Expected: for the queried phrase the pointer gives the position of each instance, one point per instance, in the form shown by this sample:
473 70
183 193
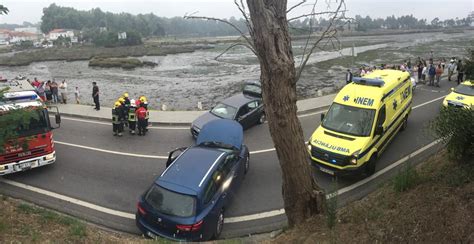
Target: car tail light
193 227
140 209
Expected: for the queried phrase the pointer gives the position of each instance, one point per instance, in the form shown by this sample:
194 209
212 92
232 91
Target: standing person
132 117
95 95
141 116
431 74
54 91
77 95
460 68
349 76
47 91
443 63
63 87
117 123
126 105
439 71
41 92
424 72
35 83
451 68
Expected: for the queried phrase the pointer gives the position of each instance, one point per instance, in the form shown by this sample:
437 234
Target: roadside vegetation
432 203
21 222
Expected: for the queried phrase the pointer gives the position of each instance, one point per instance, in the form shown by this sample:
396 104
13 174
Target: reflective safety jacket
116 116
131 114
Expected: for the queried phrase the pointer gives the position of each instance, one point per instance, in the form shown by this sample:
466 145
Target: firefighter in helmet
144 103
141 115
117 123
132 117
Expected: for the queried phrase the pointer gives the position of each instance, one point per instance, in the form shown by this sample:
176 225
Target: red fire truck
33 145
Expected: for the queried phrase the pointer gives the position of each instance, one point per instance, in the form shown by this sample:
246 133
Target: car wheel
247 164
405 124
219 225
370 166
262 119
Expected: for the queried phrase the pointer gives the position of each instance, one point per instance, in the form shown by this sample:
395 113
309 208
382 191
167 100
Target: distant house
17 37
4 36
13 37
56 33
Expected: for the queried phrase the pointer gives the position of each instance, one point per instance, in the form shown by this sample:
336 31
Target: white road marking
386 169
111 152
254 216
108 124
69 199
425 103
311 114
238 219
263 151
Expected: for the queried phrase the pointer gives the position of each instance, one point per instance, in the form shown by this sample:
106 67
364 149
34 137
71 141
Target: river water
182 80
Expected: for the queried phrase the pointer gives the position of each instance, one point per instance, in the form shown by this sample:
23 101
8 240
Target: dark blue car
188 200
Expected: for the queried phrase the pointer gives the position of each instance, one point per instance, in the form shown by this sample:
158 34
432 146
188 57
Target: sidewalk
183 118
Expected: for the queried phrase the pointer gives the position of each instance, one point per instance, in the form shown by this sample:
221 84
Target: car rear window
252 90
170 203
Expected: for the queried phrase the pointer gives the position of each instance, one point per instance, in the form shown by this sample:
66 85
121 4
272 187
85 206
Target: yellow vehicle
363 118
462 96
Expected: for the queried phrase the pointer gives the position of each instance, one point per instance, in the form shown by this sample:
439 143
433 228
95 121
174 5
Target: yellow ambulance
462 96
363 118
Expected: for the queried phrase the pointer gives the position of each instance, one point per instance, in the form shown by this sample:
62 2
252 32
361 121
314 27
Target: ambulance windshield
349 120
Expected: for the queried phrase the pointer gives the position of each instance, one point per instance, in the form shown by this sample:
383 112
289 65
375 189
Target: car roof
239 100
225 131
190 170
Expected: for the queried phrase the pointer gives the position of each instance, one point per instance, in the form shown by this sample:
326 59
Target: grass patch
406 178
124 63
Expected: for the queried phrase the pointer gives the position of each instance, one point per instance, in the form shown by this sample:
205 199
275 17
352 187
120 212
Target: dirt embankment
434 204
87 52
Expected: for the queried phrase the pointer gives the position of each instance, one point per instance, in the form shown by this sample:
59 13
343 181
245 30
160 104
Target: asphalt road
115 175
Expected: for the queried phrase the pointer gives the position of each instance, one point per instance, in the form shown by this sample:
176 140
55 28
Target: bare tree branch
313 10
326 31
315 14
242 10
295 6
232 46
247 39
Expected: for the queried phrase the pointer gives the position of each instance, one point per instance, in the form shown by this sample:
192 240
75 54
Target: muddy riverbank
182 80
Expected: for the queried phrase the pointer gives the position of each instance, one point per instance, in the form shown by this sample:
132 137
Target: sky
31 10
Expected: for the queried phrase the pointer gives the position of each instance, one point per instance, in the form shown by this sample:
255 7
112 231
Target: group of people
130 113
51 91
424 72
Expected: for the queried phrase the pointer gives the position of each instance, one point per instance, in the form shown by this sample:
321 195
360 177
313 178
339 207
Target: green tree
3 10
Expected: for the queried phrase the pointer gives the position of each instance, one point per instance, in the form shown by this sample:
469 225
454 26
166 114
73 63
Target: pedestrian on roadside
54 91
349 76
431 74
63 89
77 95
439 71
41 92
47 91
420 70
461 70
95 95
35 83
451 68
443 63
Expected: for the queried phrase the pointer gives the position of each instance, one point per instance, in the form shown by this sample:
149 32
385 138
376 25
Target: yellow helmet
117 104
122 100
125 94
142 99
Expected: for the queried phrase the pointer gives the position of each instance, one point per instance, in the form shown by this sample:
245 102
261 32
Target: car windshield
224 111
349 120
169 202
465 90
39 123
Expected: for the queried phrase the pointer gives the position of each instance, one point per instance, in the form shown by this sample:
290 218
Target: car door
242 116
254 114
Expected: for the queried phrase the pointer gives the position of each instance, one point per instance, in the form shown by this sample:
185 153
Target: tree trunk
302 197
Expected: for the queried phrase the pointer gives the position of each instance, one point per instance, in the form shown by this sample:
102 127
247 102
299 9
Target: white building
56 33
16 37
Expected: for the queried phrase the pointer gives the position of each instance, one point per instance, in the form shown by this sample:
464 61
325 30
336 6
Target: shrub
406 178
455 126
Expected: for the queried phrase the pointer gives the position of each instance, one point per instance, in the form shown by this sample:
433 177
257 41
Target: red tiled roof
57 31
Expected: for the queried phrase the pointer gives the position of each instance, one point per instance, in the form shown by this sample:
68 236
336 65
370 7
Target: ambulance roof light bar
368 82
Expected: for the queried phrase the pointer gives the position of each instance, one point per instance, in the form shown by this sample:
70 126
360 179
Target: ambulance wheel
404 124
370 166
